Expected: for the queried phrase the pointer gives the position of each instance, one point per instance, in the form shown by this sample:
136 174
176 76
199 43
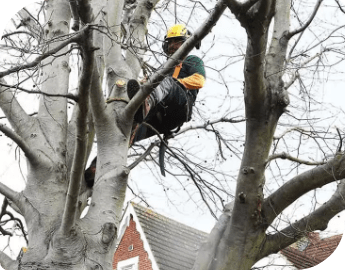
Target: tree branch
296 73
5 212
239 9
20 142
71 135
70 96
108 56
137 31
276 56
75 14
113 49
7 263
301 184
7 35
242 10
206 124
290 34
287 156
71 39
256 24
318 220
309 133
15 114
14 207
341 8
143 156
9 193
340 141
97 100
31 23
325 49
78 164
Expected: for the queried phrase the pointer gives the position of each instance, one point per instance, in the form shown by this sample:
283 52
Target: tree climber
171 102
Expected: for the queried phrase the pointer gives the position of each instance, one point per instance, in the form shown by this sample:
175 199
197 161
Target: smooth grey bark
241 240
237 246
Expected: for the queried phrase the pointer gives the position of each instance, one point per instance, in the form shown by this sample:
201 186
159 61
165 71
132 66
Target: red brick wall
132 237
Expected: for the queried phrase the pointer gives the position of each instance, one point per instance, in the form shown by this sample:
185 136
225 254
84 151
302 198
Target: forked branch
317 220
240 8
303 27
301 184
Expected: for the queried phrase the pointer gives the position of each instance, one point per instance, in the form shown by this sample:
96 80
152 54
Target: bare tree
112 44
243 231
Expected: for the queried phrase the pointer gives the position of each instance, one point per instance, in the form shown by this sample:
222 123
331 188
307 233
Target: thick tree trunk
244 233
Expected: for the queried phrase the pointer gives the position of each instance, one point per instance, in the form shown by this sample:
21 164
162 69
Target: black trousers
170 113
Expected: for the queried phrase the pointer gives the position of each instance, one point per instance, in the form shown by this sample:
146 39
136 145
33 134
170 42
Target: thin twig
70 96
291 158
340 141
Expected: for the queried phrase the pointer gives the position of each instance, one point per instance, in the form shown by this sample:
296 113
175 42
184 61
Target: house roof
173 245
311 251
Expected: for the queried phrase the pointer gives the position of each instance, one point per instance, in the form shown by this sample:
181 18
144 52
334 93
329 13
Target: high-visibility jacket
176 108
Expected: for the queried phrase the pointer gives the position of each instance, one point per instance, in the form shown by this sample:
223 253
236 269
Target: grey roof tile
173 244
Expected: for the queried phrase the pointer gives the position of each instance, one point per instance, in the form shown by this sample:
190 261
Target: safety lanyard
177 70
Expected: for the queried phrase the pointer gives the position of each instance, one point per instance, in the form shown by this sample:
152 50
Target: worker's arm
196 81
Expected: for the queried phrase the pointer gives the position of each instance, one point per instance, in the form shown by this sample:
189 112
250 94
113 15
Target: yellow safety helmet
178 31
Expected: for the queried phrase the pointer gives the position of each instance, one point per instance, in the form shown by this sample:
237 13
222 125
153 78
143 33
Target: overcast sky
178 206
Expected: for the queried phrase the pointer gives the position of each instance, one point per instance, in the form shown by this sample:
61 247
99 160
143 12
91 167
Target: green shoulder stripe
196 64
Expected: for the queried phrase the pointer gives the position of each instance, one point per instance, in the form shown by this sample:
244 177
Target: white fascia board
125 222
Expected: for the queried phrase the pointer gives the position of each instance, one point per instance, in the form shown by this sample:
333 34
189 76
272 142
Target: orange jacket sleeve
196 81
